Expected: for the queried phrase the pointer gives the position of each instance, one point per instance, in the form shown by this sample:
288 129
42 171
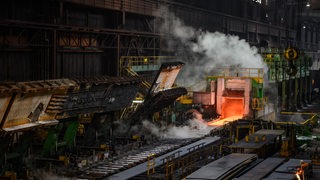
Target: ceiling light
308 4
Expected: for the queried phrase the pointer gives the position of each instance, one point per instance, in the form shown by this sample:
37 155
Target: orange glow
220 122
232 107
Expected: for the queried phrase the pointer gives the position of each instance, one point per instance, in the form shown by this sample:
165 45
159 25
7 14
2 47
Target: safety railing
238 72
258 103
151 164
133 73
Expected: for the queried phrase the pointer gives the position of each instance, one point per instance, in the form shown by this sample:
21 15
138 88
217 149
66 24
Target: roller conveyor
131 160
136 170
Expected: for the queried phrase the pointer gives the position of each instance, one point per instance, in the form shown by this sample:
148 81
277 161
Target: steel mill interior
159 89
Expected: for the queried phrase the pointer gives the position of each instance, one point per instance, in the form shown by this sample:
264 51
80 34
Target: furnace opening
232 107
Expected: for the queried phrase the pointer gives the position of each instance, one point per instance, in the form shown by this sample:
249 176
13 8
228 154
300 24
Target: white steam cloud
196 128
203 51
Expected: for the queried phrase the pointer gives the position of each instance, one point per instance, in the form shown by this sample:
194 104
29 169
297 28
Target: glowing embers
232 107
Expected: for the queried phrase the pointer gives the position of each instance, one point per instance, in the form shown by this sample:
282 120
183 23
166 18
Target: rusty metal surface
161 94
4 102
35 86
29 104
7 88
166 76
155 103
31 125
45 86
23 103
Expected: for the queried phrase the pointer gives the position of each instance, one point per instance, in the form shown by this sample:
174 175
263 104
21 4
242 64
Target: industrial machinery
233 93
157 90
46 113
73 122
55 120
30 104
239 92
289 72
161 94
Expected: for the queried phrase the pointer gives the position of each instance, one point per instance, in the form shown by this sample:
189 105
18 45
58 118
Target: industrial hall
159 89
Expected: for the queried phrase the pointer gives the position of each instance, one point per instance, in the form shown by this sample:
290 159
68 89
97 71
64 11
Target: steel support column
296 99
291 104
54 56
309 88
118 55
284 105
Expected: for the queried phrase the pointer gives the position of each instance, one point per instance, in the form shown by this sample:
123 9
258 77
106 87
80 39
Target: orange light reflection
232 110
220 122
232 107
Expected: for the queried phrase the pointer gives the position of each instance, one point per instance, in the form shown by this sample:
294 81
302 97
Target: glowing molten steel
220 122
232 109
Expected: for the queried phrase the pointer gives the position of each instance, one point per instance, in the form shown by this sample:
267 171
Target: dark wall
238 8
49 39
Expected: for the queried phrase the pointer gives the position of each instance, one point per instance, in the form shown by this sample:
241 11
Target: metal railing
238 72
133 73
258 103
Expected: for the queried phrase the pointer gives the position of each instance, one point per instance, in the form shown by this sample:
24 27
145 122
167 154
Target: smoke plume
196 127
203 51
